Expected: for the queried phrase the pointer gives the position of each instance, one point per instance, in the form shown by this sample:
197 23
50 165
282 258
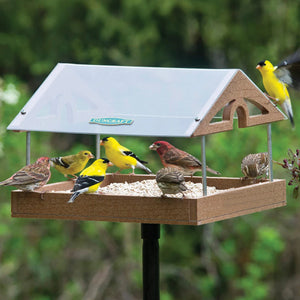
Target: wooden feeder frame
240 197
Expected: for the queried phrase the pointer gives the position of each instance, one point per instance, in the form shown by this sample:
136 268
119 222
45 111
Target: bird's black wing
129 153
288 71
86 181
59 161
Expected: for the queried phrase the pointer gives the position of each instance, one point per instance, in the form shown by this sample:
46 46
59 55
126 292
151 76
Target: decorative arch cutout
234 99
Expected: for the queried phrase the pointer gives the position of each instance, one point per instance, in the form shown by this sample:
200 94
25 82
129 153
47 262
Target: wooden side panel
237 200
242 201
232 99
101 208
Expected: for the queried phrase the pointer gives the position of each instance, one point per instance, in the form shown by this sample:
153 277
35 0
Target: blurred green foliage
245 258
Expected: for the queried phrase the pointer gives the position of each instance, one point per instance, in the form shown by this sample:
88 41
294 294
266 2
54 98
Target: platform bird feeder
143 101
140 101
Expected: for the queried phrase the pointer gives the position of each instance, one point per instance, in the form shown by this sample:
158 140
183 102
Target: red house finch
170 156
170 181
255 165
31 177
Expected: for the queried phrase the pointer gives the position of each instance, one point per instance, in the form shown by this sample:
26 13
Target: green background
246 258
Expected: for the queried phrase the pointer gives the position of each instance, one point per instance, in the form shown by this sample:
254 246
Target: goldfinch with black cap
90 178
276 79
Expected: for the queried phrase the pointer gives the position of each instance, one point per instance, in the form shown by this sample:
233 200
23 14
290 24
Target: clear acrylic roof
155 101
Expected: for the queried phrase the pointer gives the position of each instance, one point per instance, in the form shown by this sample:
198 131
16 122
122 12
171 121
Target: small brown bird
31 177
255 165
170 156
170 181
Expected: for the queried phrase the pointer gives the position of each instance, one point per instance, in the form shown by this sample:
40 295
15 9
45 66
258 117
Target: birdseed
149 188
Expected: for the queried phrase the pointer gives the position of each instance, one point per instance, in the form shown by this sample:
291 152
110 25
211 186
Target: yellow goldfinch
122 157
277 79
71 164
90 178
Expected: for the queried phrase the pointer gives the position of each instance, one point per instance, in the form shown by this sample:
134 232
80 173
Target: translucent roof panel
155 101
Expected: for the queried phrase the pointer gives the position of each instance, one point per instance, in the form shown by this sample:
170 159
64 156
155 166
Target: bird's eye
85 153
158 144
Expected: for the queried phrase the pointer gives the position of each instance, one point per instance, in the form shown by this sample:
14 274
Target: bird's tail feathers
287 108
141 166
6 182
212 171
74 196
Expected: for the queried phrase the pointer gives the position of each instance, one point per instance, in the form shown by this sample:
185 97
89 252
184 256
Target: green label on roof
110 121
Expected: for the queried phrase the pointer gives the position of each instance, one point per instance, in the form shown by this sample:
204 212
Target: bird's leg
42 194
117 173
272 98
132 173
72 177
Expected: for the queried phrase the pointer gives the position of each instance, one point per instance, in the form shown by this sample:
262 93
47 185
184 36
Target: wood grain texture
240 198
233 100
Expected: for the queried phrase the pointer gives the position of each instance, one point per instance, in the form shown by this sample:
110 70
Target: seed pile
149 188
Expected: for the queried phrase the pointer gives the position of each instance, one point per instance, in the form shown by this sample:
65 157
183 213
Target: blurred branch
99 282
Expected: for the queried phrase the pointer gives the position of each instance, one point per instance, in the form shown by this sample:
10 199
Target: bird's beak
101 143
110 164
153 147
258 67
91 156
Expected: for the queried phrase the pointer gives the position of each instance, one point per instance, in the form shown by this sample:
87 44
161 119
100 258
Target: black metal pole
150 235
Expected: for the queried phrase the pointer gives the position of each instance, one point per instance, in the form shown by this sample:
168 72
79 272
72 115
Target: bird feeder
143 101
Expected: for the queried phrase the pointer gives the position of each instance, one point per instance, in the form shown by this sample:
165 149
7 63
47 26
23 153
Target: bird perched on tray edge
31 177
90 178
255 165
170 181
277 79
171 156
122 157
71 164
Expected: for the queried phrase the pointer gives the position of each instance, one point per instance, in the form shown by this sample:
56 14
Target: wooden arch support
233 99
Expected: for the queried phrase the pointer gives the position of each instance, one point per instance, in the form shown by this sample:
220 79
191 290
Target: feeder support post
150 234
27 147
270 152
204 184
98 146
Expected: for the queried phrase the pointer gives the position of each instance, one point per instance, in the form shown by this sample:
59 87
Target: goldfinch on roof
276 79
